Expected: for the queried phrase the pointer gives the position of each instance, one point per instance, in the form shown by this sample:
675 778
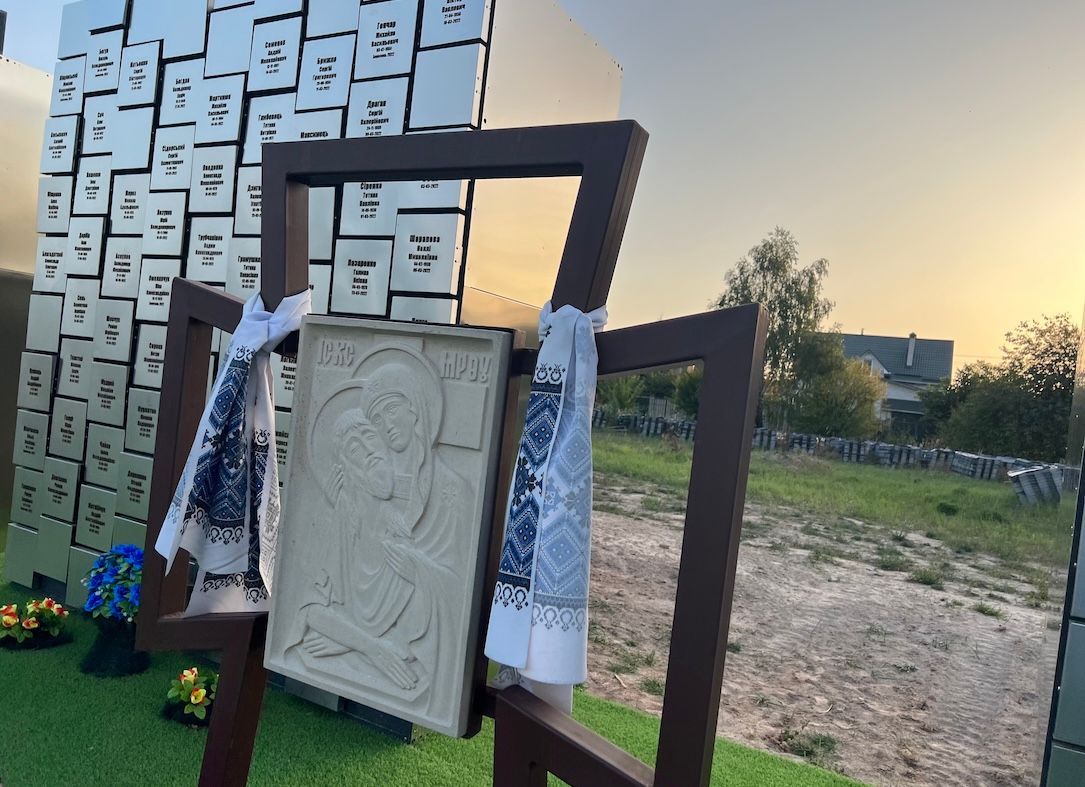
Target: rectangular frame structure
531 738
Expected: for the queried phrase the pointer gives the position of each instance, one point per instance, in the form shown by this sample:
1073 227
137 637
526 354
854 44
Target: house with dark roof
908 365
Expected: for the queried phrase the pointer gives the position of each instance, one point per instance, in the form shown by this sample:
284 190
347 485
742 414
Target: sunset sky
933 151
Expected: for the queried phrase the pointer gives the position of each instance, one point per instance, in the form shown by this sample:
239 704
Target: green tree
1019 407
687 391
619 395
770 274
659 385
834 396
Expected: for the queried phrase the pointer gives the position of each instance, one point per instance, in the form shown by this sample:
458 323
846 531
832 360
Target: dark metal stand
531 739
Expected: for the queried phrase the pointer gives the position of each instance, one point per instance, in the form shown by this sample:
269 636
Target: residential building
908 365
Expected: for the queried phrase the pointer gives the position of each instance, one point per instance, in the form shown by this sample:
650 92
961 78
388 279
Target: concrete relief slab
381 553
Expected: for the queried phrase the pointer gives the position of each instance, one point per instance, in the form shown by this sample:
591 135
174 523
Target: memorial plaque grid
151 169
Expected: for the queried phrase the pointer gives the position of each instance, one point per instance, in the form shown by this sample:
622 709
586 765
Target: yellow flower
9 609
33 606
30 624
8 621
190 675
198 696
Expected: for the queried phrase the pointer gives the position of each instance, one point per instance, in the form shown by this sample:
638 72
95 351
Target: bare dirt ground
857 668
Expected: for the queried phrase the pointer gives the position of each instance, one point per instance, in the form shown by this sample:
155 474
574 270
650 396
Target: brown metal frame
531 739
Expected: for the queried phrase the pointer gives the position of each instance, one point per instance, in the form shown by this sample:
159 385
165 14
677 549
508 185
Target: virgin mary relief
379 587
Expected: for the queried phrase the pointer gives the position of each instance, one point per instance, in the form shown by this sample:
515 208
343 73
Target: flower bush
194 691
42 620
113 583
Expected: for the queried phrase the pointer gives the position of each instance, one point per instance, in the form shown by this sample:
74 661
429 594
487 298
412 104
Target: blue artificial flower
93 602
134 597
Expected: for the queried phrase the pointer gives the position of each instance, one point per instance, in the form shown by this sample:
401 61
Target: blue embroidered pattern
227 468
518 553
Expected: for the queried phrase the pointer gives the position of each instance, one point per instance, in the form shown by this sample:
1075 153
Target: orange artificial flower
30 624
8 621
198 696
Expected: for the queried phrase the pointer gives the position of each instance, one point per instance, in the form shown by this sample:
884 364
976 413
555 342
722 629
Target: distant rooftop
932 360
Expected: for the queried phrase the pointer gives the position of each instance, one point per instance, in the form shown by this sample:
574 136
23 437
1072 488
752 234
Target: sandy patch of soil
913 684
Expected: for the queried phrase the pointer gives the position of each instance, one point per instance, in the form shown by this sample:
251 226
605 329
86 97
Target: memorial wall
150 170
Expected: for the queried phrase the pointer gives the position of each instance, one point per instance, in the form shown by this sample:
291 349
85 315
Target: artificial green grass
60 728
968 515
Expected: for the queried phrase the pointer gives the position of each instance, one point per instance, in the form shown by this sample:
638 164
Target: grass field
59 728
968 515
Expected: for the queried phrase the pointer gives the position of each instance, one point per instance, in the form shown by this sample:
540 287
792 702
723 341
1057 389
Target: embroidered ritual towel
225 511
539 619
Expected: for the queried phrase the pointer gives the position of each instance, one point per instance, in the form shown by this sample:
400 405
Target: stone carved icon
388 506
